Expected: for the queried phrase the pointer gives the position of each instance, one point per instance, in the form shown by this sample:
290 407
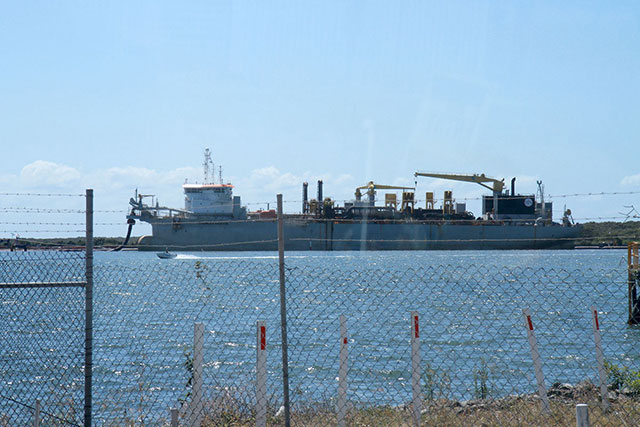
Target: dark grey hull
304 234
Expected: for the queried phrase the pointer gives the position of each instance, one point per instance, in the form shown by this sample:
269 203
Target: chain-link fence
367 344
475 361
42 337
144 355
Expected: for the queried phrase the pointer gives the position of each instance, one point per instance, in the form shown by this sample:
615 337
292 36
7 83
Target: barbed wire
184 221
57 223
435 200
43 231
43 194
600 193
518 196
221 246
40 242
15 209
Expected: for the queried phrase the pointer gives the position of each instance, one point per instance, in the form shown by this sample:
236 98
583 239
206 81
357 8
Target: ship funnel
305 197
320 198
513 186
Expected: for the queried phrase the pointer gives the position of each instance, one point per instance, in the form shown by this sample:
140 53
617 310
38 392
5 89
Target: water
470 305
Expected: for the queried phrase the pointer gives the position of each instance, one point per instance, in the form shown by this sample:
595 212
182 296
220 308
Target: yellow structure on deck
390 199
497 185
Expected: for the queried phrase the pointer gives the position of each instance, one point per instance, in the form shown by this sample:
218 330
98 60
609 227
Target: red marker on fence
261 374
535 355
415 367
342 374
196 406
600 359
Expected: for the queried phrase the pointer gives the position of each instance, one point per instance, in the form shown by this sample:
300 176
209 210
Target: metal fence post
582 415
537 364
342 373
261 374
600 359
196 407
415 367
283 315
88 310
174 417
36 414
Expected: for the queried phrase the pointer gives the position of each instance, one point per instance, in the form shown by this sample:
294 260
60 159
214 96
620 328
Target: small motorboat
166 255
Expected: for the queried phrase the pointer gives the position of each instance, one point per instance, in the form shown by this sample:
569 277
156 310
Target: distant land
65 242
609 233
601 234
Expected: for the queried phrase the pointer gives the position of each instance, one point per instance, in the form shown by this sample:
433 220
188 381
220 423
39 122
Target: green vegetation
480 379
624 379
609 233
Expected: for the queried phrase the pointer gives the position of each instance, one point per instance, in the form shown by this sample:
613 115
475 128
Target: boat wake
197 257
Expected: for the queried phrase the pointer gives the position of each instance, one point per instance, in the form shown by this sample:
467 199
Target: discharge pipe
130 221
513 186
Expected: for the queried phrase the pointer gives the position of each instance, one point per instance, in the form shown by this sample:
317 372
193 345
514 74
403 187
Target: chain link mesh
144 341
476 366
475 361
42 337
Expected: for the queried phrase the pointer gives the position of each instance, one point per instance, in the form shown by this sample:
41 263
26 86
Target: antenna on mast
220 175
207 162
541 195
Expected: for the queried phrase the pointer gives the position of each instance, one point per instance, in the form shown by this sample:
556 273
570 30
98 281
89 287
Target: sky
118 96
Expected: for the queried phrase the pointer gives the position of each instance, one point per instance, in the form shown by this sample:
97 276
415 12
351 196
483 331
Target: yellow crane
497 185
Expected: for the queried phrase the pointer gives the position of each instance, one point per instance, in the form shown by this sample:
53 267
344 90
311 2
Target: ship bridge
208 199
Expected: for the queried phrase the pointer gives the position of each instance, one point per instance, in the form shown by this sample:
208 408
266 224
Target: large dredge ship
213 219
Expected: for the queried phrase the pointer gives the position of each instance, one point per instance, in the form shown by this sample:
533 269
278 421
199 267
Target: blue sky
128 94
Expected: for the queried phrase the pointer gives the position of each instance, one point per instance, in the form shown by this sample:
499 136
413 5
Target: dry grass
510 411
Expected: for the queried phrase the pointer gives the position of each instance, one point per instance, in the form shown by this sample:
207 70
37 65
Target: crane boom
374 186
481 179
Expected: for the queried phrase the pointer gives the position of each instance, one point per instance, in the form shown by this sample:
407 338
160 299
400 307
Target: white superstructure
208 199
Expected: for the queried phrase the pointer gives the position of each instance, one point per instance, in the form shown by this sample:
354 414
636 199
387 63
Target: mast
207 162
541 195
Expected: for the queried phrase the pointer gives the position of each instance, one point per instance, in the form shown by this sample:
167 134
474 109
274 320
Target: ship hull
305 234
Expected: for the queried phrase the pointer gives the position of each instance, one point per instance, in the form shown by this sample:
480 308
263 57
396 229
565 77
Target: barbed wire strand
43 194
